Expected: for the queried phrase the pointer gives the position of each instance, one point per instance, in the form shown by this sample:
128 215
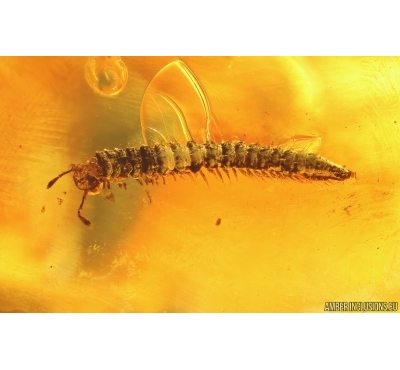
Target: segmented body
150 162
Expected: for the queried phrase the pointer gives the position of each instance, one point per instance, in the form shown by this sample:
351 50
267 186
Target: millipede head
86 178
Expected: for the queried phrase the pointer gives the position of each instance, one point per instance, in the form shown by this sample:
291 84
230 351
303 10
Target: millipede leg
148 180
204 178
298 178
191 176
227 172
219 174
258 174
244 172
83 219
212 171
235 173
249 172
148 195
253 173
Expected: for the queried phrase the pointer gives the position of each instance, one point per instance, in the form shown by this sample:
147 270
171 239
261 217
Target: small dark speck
60 201
395 121
43 209
377 248
64 192
51 267
20 146
218 222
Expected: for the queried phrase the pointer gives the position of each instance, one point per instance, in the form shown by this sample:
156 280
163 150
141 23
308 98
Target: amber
245 245
107 76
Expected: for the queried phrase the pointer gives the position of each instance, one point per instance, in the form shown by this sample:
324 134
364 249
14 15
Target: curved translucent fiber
107 76
301 143
175 107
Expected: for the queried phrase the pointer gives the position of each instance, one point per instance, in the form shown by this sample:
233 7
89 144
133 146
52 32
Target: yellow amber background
282 246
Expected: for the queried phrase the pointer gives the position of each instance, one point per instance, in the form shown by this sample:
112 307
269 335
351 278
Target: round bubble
107 76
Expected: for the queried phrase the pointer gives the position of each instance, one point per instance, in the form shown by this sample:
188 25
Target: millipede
150 164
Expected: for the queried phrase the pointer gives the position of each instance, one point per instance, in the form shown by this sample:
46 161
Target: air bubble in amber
107 76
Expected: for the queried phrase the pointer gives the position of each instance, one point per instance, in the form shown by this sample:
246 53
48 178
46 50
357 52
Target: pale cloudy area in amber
281 245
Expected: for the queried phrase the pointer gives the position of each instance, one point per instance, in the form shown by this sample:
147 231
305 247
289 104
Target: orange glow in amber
246 245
